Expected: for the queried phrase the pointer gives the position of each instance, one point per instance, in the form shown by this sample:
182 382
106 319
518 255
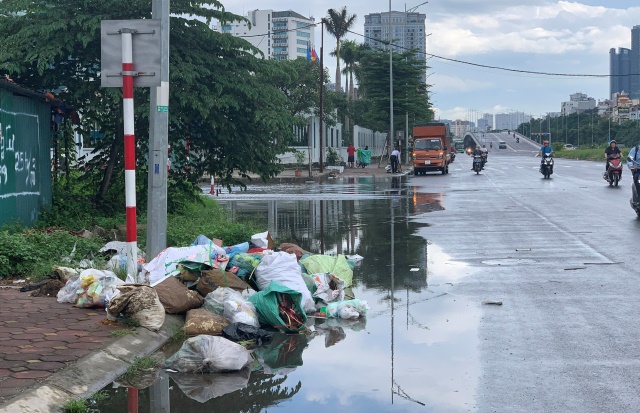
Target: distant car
569 146
502 145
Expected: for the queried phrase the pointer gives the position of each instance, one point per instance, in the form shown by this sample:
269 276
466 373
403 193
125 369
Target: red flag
314 56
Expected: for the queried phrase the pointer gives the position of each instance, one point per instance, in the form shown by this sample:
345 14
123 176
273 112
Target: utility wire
533 72
488 66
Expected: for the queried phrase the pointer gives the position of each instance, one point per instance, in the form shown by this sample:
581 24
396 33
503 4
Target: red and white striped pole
129 155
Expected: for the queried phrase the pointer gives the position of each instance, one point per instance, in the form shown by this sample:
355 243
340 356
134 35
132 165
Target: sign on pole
146 52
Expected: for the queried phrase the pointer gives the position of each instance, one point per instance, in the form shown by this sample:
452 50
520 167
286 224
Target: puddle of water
415 350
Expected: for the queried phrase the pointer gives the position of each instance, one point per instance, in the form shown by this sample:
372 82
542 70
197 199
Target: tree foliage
224 118
410 93
584 129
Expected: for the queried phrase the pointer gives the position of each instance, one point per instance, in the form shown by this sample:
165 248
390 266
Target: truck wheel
416 172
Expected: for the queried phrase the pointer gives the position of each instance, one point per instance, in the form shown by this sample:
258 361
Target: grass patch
178 335
31 253
588 154
84 406
75 406
139 365
122 333
210 219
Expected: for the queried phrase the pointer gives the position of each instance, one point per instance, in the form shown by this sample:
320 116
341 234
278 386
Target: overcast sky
571 37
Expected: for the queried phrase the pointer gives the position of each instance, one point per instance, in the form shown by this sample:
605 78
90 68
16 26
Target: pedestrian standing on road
395 155
351 151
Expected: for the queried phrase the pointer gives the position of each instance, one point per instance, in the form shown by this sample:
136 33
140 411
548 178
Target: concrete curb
93 372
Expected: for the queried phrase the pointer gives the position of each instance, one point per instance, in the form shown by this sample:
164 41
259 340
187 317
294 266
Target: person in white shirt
394 158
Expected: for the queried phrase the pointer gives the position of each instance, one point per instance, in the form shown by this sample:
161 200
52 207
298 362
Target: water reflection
415 350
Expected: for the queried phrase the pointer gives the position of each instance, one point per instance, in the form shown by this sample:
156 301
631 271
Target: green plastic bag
266 303
337 266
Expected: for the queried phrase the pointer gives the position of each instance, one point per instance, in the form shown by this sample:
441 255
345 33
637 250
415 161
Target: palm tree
349 54
338 25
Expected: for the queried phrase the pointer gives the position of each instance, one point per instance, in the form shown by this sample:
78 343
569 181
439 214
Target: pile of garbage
237 299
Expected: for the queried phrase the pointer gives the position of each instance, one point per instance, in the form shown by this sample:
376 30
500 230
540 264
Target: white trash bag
209 354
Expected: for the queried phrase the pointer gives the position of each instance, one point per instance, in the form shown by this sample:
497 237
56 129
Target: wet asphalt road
560 255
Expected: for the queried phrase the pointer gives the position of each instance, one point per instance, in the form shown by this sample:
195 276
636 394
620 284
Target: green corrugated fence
25 160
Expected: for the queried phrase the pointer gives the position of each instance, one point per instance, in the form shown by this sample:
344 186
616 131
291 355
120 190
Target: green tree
222 119
338 23
410 93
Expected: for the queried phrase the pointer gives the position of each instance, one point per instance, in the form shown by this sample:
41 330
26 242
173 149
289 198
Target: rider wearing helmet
546 148
611 150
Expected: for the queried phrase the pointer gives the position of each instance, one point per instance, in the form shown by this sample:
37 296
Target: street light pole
390 86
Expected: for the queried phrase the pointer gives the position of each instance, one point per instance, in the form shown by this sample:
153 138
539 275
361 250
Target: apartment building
407 32
280 35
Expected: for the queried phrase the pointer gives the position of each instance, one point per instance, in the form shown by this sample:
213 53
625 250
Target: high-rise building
624 67
620 70
578 102
407 32
634 91
280 35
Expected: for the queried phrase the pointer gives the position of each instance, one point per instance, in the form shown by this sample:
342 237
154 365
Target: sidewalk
51 352
289 175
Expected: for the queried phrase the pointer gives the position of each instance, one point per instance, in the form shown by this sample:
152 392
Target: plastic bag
166 263
214 301
283 268
337 266
278 302
212 279
175 297
200 321
243 264
138 302
236 249
244 332
99 293
69 293
329 288
348 309
204 353
239 310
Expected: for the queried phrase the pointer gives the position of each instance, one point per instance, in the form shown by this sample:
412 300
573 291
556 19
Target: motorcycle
453 157
614 172
518 140
635 197
546 168
477 164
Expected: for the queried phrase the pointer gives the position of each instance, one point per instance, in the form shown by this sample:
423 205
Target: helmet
613 141
545 142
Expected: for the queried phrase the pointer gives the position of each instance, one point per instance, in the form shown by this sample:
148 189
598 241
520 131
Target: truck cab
431 148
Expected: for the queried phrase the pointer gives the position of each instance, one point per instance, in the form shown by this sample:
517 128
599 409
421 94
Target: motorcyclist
477 152
546 148
491 145
633 162
485 154
611 150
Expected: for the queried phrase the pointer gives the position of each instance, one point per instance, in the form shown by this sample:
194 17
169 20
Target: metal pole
321 90
159 142
406 112
129 155
391 136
